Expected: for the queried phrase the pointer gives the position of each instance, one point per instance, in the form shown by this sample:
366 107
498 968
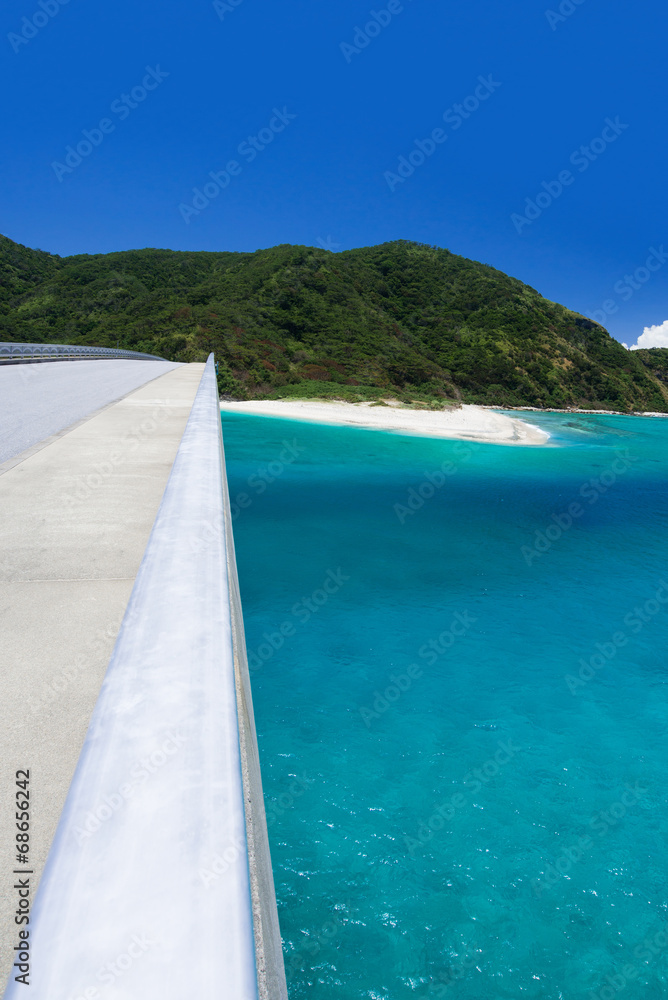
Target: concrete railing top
11 353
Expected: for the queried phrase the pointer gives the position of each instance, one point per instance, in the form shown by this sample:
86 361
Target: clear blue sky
327 175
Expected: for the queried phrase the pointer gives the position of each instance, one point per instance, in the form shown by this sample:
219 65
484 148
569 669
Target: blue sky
315 119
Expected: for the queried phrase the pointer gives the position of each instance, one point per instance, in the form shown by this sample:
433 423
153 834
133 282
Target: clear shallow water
494 824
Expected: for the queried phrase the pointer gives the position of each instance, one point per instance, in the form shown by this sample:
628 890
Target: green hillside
402 319
655 360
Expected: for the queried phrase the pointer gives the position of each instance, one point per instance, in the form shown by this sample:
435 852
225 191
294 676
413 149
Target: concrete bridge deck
78 509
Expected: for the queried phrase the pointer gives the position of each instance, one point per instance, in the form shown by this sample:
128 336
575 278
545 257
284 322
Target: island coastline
470 423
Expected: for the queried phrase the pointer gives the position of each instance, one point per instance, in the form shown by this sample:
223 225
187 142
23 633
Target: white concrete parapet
147 893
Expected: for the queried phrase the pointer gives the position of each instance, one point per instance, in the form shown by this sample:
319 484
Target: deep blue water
463 721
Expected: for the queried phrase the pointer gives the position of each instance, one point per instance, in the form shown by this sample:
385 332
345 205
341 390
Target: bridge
126 695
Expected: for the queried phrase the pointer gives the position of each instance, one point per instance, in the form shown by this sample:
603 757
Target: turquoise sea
460 685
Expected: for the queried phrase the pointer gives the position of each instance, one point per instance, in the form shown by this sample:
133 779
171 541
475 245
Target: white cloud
652 336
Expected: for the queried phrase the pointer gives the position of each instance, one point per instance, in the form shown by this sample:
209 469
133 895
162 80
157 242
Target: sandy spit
470 423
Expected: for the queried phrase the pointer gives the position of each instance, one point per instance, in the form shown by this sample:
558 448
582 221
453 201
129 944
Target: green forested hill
401 319
655 360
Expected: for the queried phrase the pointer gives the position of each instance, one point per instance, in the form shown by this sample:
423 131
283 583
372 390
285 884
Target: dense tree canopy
399 320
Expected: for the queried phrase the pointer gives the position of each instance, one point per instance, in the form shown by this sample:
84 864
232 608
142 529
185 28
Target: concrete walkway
76 518
40 400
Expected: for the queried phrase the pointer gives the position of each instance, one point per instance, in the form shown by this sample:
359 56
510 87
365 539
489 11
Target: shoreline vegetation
403 320
464 423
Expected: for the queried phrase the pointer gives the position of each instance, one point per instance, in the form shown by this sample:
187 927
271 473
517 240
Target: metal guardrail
17 354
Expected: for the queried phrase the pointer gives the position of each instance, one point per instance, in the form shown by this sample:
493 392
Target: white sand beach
471 423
